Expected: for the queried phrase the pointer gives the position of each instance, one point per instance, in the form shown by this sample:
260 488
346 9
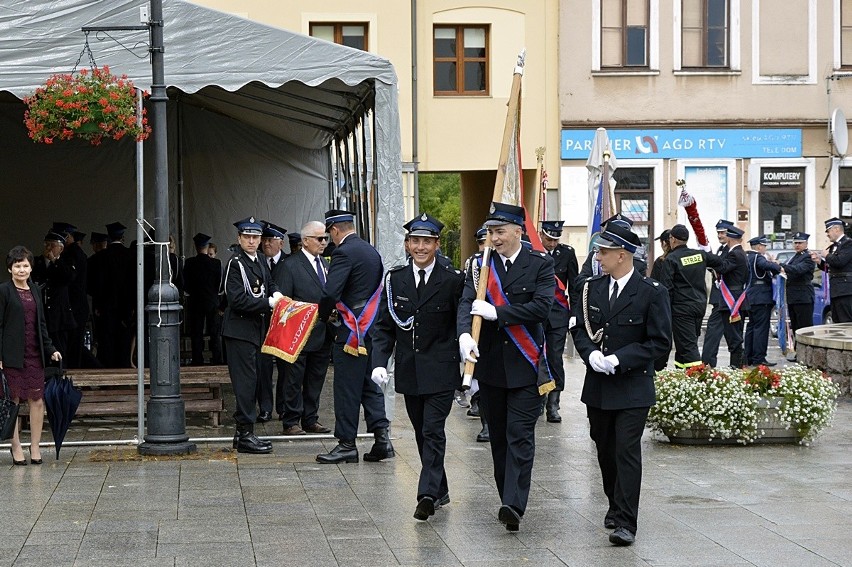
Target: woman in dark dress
24 344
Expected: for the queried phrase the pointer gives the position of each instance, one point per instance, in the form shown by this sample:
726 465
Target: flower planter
774 431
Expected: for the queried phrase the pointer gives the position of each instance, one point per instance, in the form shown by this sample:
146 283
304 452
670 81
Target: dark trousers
297 398
841 309
686 328
618 437
267 366
428 414
243 367
511 414
554 348
757 333
199 320
114 340
353 389
801 316
719 324
74 353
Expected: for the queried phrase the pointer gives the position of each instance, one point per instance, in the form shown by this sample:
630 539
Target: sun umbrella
61 399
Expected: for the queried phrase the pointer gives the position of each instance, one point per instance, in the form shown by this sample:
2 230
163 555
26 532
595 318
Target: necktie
320 271
421 283
271 263
508 265
614 295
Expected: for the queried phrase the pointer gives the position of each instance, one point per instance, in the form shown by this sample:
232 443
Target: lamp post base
183 448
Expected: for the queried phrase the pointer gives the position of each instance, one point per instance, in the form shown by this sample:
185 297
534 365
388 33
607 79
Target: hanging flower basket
92 105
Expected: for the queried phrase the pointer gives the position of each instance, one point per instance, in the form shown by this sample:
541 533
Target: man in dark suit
510 344
353 287
202 275
556 329
837 261
730 302
622 328
302 277
761 272
272 245
417 316
113 300
76 256
800 289
251 294
53 272
295 241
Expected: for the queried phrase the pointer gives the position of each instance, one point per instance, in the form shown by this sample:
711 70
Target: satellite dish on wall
839 132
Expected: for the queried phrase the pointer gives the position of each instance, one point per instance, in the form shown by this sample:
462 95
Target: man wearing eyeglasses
353 287
303 277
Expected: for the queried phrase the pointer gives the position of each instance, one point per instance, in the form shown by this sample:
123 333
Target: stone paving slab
704 506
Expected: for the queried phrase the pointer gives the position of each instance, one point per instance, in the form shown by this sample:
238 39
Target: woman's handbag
8 411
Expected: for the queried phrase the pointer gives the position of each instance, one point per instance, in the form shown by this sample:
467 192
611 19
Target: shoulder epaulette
398 267
650 281
450 268
597 277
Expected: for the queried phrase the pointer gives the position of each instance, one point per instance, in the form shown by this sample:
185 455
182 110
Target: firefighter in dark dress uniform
201 276
510 344
475 409
565 268
761 271
353 287
272 248
417 316
623 325
53 272
684 275
800 289
76 256
725 318
113 300
251 294
837 261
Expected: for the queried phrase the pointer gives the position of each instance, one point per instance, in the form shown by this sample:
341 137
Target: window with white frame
625 27
846 34
705 34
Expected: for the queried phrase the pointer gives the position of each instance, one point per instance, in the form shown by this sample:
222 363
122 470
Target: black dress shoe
553 416
248 442
264 416
382 448
483 436
510 517
609 523
425 508
767 363
474 410
343 452
442 501
621 536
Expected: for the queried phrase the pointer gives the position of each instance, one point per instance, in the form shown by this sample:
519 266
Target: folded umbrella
61 398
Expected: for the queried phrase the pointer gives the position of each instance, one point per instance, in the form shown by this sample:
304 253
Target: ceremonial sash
561 295
733 304
291 325
358 326
518 333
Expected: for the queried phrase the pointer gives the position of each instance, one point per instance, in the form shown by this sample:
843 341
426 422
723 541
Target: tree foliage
440 196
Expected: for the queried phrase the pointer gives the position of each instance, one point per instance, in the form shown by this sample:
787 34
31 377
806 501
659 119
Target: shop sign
787 177
695 144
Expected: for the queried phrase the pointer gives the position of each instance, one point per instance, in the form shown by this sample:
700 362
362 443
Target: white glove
572 322
468 347
611 361
379 376
597 362
484 309
705 247
276 297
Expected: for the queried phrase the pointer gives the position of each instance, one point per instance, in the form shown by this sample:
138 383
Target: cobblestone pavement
728 506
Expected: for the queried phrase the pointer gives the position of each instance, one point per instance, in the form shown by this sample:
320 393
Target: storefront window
846 197
633 197
782 204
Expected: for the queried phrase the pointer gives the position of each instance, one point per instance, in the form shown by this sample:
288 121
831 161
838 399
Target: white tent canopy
255 114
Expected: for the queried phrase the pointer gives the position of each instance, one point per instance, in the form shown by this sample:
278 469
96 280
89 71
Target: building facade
736 97
455 64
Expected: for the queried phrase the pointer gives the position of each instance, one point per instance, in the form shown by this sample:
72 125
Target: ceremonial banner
291 325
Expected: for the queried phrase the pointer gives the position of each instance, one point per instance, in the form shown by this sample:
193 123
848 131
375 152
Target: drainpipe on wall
414 106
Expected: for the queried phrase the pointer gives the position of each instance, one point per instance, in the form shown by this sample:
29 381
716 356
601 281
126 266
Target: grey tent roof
298 88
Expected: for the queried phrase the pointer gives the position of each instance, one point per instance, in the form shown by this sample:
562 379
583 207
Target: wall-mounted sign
787 177
667 144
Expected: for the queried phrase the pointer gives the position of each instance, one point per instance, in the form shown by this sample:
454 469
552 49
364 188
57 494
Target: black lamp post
166 412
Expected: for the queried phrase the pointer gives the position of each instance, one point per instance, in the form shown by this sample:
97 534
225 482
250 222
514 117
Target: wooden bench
113 391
